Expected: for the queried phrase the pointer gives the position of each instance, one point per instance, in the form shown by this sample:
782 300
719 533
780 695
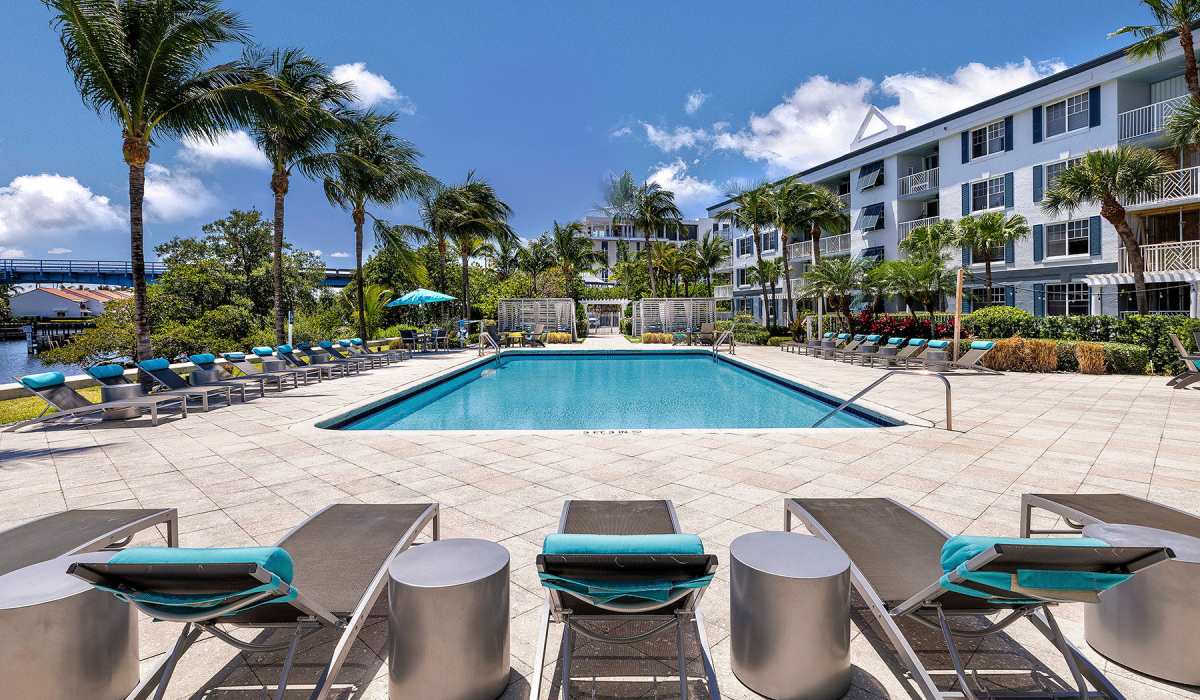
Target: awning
871 218
870 175
1127 277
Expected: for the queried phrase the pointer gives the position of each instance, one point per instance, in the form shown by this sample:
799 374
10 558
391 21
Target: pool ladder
725 337
487 337
884 378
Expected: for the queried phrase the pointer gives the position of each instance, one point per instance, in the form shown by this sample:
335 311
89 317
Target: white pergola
669 315
521 314
617 304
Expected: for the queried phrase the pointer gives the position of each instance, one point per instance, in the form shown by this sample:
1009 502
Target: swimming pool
604 391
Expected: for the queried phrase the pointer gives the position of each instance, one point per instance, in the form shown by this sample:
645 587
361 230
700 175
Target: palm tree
373 167
764 273
573 254
653 209
504 255
143 63
929 242
836 279
620 195
784 200
534 259
752 212
819 209
1109 178
1170 16
668 260
476 217
986 232
296 133
712 250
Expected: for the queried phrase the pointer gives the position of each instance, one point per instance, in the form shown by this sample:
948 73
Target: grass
24 408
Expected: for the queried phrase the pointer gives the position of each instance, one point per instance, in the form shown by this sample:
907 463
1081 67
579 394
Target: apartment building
1001 155
608 239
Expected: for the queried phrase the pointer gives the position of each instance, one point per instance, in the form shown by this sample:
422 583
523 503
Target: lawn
13 410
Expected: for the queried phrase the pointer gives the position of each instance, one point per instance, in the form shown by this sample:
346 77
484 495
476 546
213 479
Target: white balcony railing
924 181
907 227
1148 120
1164 257
830 245
845 200
1174 185
723 291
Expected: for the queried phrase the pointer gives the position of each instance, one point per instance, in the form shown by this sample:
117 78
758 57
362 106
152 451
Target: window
1053 170
843 187
870 175
741 276
1069 238
769 242
987 140
1067 300
745 246
978 255
871 218
1068 115
987 194
985 296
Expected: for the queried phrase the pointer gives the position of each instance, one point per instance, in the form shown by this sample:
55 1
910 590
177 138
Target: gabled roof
78 295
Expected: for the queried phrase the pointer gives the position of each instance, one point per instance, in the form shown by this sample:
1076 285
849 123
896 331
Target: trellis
523 314
673 315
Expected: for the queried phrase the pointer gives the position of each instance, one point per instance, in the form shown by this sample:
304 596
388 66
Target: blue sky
544 99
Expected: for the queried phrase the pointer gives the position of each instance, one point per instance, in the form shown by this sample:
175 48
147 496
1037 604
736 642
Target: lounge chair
335 355
347 350
1191 365
973 358
926 361
618 563
893 346
79 531
865 351
207 362
287 353
905 568
160 371
318 358
326 573
830 346
536 336
911 351
52 388
238 361
359 347
812 345
114 375
851 346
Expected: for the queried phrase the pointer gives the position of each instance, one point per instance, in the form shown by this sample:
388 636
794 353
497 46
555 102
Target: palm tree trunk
137 153
1189 66
987 274
650 267
1137 262
815 234
466 282
787 275
279 186
359 217
441 264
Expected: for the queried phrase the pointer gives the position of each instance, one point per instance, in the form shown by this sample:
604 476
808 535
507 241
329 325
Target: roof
83 295
1048 80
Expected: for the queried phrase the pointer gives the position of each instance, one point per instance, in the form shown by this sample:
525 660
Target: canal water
16 362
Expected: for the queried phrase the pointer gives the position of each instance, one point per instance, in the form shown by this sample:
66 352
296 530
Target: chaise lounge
79 531
159 369
52 388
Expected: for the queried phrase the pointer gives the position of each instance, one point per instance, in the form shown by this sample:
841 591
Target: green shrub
1124 358
777 340
1067 361
746 331
626 326
1001 322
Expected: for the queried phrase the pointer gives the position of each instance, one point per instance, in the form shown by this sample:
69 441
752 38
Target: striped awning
1160 276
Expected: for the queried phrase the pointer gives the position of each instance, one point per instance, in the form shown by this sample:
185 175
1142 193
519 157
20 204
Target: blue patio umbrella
420 296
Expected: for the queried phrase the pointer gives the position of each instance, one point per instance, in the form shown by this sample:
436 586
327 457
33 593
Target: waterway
16 362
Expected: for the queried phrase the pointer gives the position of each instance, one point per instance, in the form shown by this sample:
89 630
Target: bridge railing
118 267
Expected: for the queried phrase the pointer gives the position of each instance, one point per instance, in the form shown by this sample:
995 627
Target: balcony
845 200
1176 186
907 227
1164 257
723 291
830 246
924 182
1150 120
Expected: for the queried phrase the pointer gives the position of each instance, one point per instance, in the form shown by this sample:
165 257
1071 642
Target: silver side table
272 365
937 360
61 639
790 616
120 392
448 621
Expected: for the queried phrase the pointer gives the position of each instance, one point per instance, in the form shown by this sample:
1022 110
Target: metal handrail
491 341
726 336
892 373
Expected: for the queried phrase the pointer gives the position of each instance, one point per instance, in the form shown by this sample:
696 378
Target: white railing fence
845 200
907 227
723 291
924 181
1176 184
1164 257
1147 120
830 245
667 315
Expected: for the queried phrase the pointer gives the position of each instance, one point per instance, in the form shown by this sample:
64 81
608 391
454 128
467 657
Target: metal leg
714 691
1080 666
564 666
954 657
287 662
154 414
680 618
1026 517
539 654
159 678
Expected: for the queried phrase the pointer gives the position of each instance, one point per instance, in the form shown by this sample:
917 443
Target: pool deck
245 474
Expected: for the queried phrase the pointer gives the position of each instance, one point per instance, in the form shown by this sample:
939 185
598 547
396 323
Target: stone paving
245 474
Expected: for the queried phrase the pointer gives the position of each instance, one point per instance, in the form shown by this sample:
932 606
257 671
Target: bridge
115 273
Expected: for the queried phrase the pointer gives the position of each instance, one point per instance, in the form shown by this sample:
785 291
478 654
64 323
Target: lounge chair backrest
204 360
160 369
873 338
539 328
1183 353
938 344
895 342
975 353
52 388
108 374
408 334
708 327
917 342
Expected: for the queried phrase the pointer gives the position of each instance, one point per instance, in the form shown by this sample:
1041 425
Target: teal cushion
873 338
982 345
829 334
959 550
155 364
285 348
602 592
917 342
204 358
859 336
843 336
45 380
344 343
106 371
356 341
622 544
325 344
234 356
262 351
939 344
895 341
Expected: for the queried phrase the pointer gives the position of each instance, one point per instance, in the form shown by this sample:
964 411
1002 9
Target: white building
60 302
608 239
1001 155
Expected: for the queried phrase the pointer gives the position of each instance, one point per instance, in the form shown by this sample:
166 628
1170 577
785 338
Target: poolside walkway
245 474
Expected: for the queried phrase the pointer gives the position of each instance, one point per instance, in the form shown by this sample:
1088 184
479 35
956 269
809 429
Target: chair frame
150 402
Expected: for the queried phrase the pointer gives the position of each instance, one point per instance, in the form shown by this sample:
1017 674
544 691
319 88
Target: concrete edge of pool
333 420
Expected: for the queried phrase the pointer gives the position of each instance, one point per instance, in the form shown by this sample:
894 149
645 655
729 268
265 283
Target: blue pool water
594 391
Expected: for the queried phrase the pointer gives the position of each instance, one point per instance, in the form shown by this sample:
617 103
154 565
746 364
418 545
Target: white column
1096 297
1195 308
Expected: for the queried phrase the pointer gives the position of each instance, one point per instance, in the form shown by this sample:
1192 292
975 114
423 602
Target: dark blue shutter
1094 236
1039 299
966 301
1008 134
1094 106
966 146
966 199
1037 183
966 256
1010 296
1008 190
1010 254
1039 246
1037 124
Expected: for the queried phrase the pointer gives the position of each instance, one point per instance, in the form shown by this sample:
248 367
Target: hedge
1019 354
777 340
746 331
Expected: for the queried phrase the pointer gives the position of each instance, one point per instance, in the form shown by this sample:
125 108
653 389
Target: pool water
599 391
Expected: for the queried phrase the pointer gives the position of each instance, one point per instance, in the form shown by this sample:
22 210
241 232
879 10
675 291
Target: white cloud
35 205
58 251
689 190
316 252
371 88
670 141
618 133
339 254
234 147
695 100
172 195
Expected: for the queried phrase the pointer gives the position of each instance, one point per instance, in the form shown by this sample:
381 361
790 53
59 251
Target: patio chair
849 346
536 336
287 353
326 573
207 362
867 349
618 572
707 334
350 352
973 358
409 340
439 338
160 371
927 361
359 347
238 361
80 531
51 387
813 344
1191 365
907 570
315 358
336 355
